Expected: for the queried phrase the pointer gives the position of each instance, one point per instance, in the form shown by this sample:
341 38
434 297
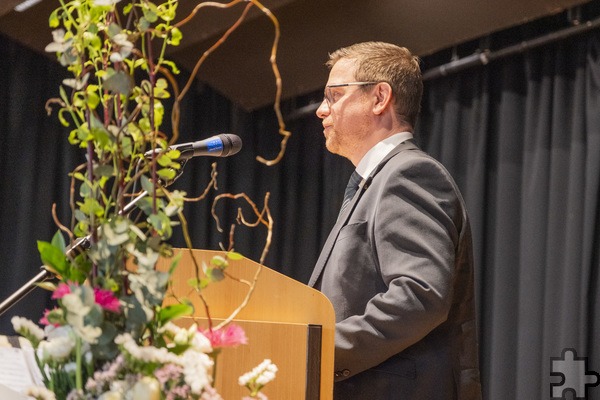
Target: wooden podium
285 321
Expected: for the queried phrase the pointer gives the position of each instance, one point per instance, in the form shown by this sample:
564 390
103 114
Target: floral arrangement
110 336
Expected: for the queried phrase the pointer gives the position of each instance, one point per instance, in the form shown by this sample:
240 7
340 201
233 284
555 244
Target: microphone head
232 144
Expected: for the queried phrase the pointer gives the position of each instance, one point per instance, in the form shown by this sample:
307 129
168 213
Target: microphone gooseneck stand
223 145
45 274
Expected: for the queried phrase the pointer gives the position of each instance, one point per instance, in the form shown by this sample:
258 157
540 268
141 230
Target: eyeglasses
330 97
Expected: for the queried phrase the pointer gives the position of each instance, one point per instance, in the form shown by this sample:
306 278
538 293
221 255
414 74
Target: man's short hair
385 62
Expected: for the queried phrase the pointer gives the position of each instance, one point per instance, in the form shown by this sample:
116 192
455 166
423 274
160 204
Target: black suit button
346 372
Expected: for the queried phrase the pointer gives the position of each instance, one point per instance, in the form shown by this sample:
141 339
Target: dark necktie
351 189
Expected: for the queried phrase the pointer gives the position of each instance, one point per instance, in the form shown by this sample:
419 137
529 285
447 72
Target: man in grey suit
398 264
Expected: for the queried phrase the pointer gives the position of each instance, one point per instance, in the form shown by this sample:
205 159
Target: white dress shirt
377 153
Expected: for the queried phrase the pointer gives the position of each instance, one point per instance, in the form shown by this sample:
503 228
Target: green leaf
91 206
113 30
143 24
147 184
61 117
119 82
166 174
102 137
59 241
92 99
167 11
164 160
218 261
193 282
172 65
175 262
53 257
175 37
53 20
216 274
103 170
174 311
150 12
105 348
234 256
83 133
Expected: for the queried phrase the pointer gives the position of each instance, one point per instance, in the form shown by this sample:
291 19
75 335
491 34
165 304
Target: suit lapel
335 231
343 218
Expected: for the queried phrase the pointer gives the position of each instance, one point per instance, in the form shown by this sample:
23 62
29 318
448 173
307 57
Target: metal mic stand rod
45 275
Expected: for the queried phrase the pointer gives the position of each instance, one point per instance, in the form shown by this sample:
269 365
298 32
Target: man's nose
323 109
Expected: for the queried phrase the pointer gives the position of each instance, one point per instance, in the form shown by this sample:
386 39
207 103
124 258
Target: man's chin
331 146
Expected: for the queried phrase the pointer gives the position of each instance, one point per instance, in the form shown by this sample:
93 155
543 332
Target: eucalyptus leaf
216 274
105 347
119 82
147 184
104 170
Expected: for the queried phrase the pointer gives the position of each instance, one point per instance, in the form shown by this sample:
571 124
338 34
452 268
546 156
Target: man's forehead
342 71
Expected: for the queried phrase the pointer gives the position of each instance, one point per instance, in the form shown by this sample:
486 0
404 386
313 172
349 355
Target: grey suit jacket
398 268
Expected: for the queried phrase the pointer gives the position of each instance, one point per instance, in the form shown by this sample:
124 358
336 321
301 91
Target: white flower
56 349
201 343
181 337
261 374
196 367
27 328
147 354
146 388
40 393
88 333
112 395
52 331
119 387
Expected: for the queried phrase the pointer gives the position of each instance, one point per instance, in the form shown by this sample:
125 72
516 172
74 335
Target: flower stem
78 377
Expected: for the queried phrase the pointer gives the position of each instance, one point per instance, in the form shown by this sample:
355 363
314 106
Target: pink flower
230 336
44 320
62 290
107 300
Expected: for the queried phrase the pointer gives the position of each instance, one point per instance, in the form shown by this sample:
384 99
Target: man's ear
383 97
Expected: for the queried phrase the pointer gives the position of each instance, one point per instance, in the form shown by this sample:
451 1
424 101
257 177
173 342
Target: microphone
223 145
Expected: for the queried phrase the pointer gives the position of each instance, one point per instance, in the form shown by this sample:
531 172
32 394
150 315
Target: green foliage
116 117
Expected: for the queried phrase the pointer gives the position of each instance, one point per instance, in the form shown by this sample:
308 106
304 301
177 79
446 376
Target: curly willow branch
273 60
277 106
176 106
268 222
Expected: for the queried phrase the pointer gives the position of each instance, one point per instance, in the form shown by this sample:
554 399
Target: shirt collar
378 152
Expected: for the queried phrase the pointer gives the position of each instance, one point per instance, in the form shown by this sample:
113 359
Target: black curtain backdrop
521 136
